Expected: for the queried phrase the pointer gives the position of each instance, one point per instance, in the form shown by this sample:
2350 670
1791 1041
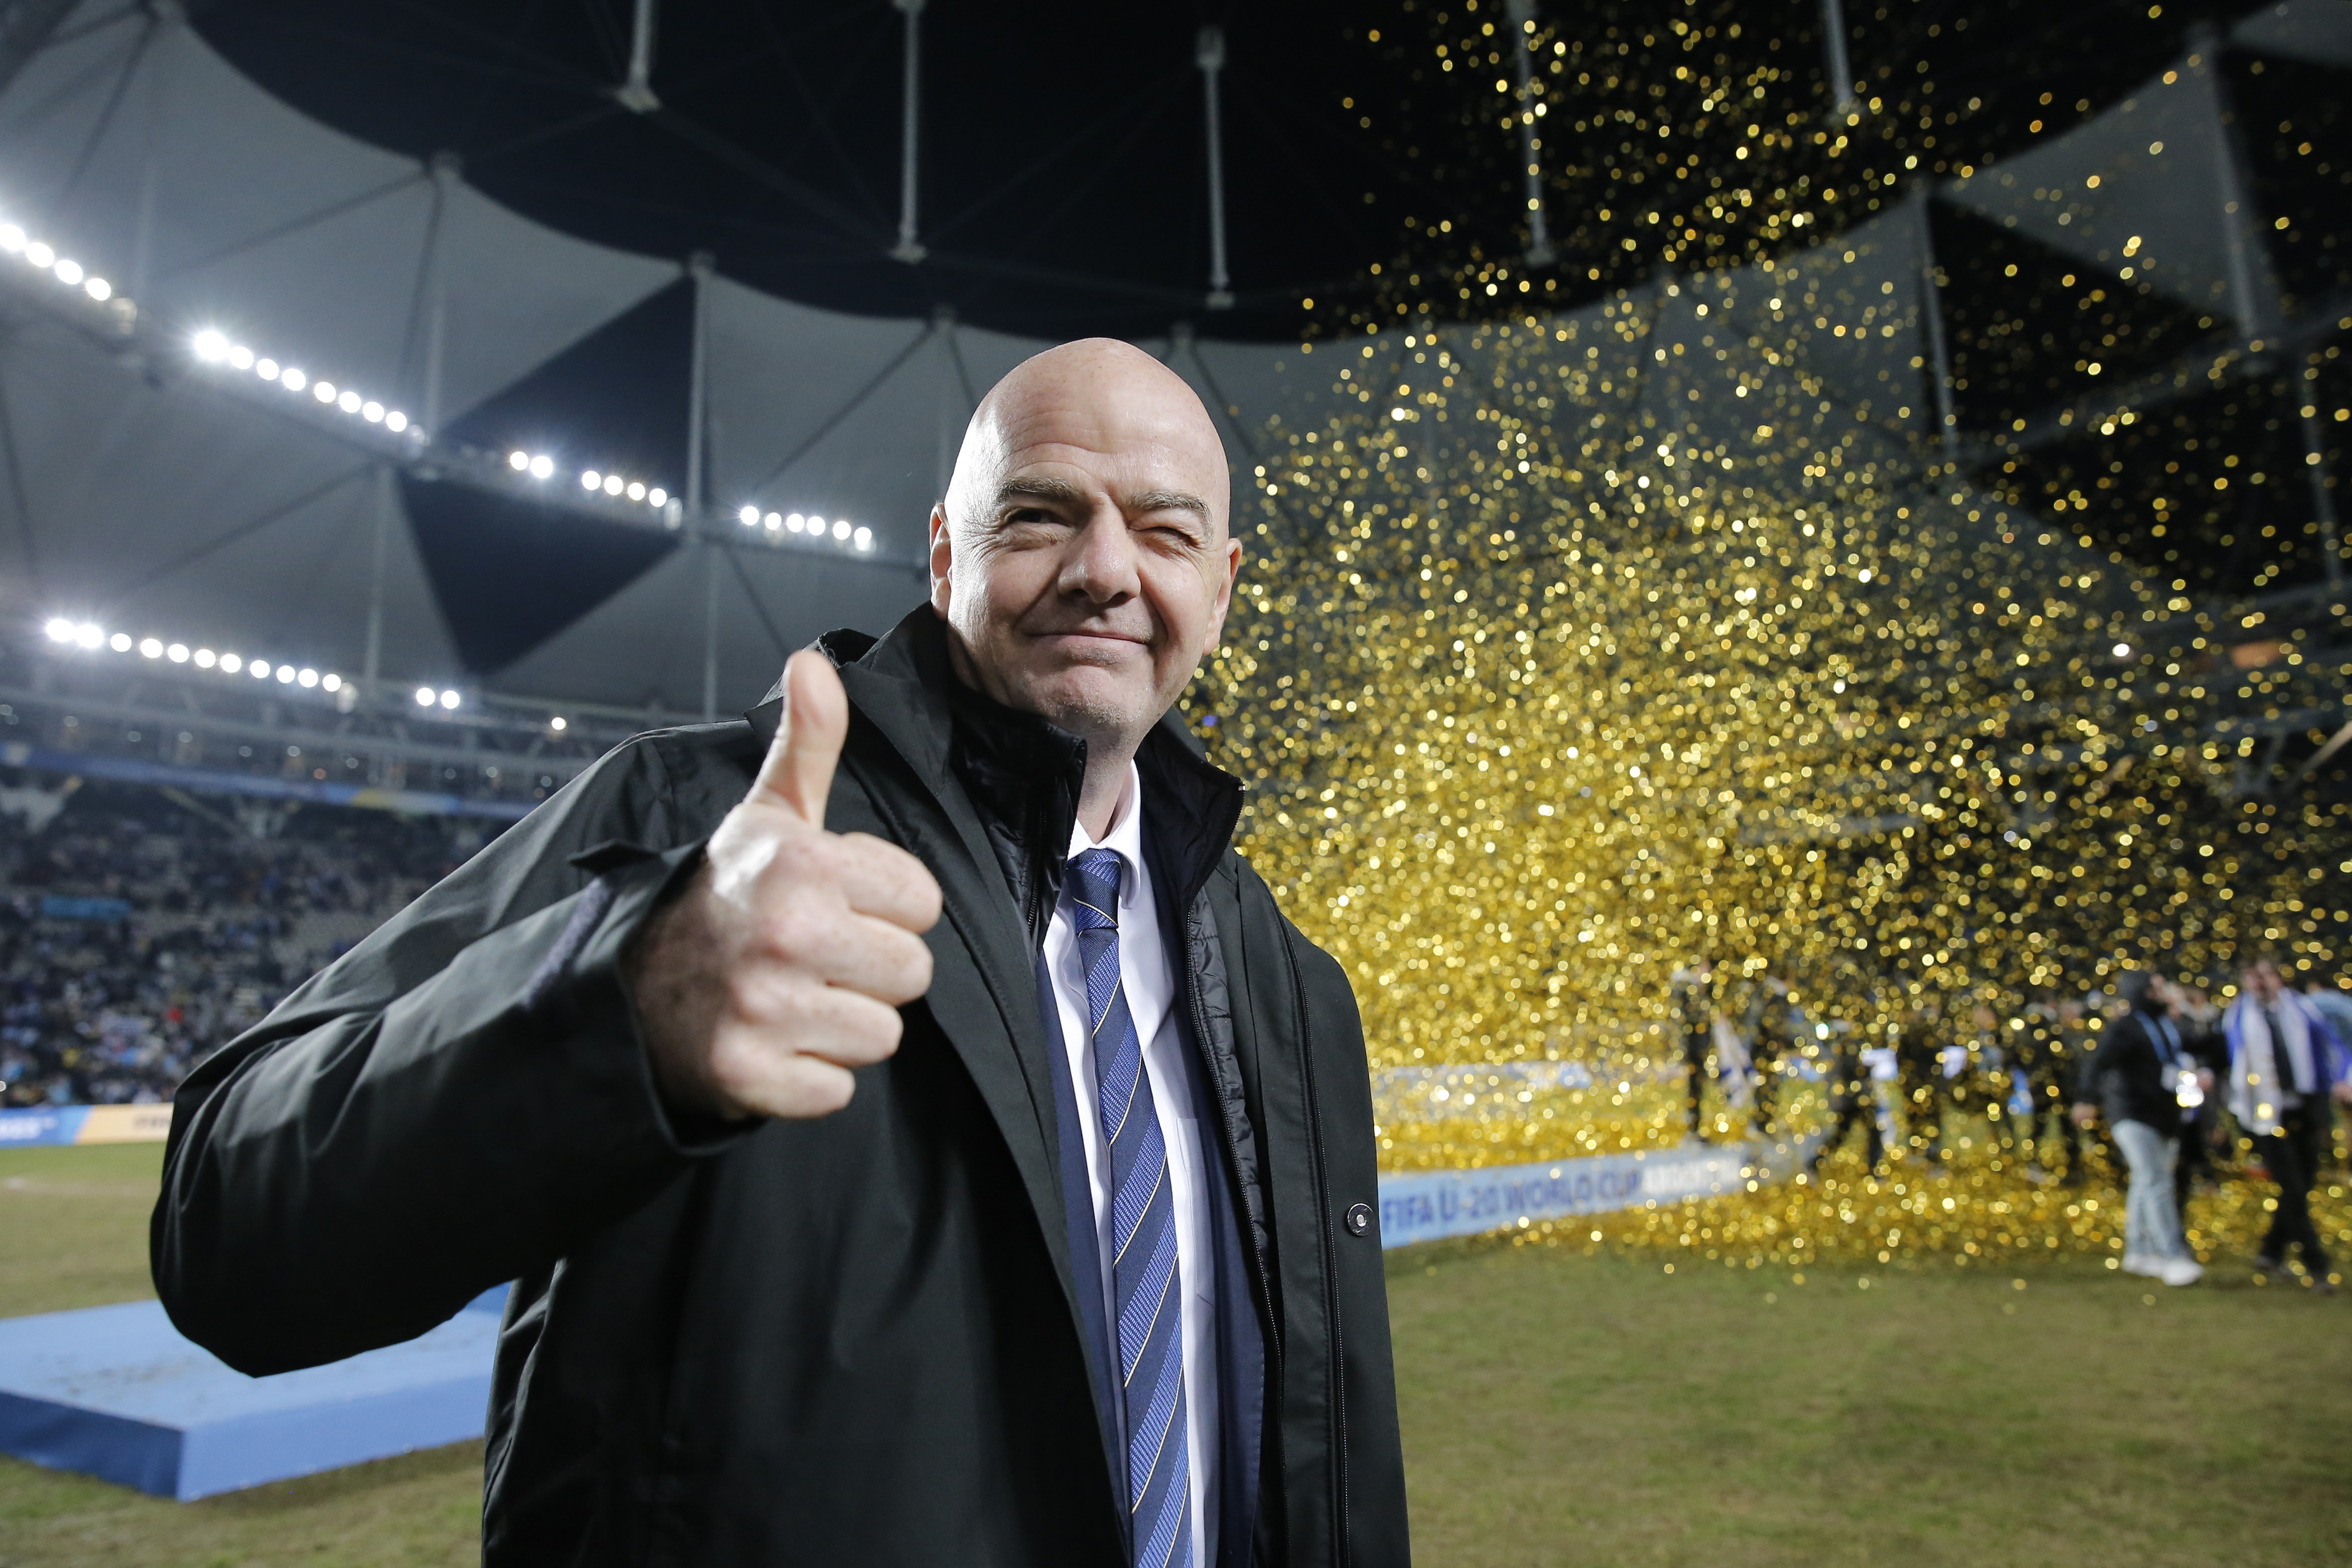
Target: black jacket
2127 1075
853 1340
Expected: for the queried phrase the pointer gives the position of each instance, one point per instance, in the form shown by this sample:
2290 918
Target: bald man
915 1135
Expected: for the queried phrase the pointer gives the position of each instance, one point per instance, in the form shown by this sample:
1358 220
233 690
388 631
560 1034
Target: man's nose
1101 563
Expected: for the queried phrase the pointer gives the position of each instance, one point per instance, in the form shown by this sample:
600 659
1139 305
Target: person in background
2132 1079
2332 1005
1852 1097
2286 1067
1921 1077
2199 1021
2045 1054
1772 1031
1691 1000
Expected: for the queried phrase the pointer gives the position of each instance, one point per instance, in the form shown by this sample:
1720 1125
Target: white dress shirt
1151 987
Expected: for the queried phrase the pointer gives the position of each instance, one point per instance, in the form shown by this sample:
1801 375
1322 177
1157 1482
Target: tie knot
1094 888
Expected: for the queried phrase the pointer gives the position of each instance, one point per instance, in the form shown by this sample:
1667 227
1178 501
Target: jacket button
1360 1219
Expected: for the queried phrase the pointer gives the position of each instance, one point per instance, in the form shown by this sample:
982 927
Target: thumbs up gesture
782 964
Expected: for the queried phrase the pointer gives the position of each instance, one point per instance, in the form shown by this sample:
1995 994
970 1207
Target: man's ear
1224 594
942 558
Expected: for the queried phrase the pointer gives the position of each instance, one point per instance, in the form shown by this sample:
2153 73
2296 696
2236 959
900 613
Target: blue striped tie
1144 1284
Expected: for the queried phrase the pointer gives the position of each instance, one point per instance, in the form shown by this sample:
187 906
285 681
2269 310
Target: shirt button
1360 1219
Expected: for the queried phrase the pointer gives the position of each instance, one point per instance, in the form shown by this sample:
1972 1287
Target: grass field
1559 1407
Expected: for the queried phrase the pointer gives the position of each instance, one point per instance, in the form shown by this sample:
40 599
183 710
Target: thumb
798 772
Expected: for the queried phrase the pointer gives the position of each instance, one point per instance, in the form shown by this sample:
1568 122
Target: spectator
2046 1055
2286 1067
1772 1031
2132 1079
1852 1097
1691 999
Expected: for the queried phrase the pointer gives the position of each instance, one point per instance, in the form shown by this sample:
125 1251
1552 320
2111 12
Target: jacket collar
1022 772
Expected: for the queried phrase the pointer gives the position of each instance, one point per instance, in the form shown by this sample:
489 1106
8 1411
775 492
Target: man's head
2262 981
1082 558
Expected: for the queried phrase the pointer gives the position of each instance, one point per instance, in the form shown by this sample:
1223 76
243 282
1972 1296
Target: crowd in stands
141 930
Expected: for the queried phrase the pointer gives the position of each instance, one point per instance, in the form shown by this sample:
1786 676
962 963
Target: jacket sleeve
458 1099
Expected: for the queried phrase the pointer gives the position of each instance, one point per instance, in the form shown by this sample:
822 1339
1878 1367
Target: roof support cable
637 94
909 249
1209 54
1523 24
1931 318
1845 100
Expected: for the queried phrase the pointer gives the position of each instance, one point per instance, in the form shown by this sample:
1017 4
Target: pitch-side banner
1426 1206
52 1124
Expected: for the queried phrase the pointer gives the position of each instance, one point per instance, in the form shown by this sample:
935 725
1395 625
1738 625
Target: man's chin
1089 702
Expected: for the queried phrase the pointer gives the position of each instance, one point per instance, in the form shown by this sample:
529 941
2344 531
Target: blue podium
117 1393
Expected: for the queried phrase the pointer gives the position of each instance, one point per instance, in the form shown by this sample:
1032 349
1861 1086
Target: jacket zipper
1330 1255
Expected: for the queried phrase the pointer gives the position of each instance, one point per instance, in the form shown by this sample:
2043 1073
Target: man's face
2261 982
1082 560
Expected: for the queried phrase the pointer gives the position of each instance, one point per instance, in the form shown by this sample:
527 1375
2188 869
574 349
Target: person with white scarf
2286 1067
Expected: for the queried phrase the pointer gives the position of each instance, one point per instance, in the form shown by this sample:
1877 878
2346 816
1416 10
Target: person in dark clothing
1920 1077
1690 999
2208 1053
2287 1069
746 1058
2133 1079
1853 1099
1773 1033
2046 1050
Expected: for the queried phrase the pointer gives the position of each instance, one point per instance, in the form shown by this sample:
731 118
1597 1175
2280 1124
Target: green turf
1559 1407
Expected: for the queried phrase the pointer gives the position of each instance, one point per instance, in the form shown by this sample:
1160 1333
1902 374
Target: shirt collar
1125 837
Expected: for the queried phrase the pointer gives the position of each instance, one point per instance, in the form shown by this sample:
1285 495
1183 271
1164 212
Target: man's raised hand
783 963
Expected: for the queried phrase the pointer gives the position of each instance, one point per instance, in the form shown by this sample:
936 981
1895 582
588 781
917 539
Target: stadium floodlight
424 697
260 669
796 522
518 461
558 724
331 682
230 663
636 491
2123 650
98 289
350 401
323 391
395 421
89 636
774 520
292 380
285 674
60 629
205 658
240 357
449 699
211 345
372 411
266 368
863 537
613 483
592 480
12 238
177 653
151 647
541 467
308 677
67 272
657 497
748 516
841 527
39 255
119 642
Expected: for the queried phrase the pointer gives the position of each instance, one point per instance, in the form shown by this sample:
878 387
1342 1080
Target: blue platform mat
117 1393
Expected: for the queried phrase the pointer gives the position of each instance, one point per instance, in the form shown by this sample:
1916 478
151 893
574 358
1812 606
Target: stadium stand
142 929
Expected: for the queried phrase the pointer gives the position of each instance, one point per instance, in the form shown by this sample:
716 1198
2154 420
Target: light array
65 269
840 528
428 697
214 348
653 496
90 635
